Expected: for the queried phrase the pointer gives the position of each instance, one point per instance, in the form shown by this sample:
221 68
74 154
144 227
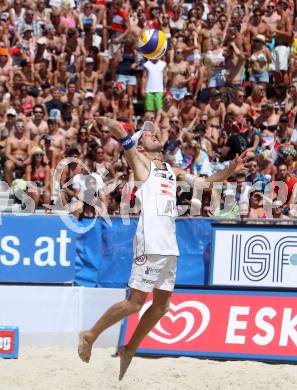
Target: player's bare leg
113 315
151 317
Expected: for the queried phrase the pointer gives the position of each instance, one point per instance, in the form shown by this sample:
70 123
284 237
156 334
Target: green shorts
153 101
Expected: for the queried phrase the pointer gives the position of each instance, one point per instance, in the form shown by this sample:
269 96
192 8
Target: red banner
9 342
254 325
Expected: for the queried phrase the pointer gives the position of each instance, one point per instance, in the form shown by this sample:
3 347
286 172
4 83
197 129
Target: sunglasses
179 52
83 133
38 112
105 131
38 154
175 122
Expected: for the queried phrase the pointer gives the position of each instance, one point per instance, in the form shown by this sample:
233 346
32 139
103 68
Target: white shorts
280 59
153 271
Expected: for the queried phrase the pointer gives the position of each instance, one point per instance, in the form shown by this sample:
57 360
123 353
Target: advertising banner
254 256
9 342
222 324
36 249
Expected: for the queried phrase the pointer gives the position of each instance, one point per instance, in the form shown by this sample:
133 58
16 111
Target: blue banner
36 249
42 249
109 250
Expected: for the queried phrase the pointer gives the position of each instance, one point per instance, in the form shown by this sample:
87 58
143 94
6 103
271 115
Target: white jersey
155 234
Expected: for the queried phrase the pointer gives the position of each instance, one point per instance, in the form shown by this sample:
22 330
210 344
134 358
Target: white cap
89 95
89 60
11 111
42 41
147 126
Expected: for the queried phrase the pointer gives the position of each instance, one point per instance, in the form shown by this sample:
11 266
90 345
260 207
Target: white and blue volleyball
152 44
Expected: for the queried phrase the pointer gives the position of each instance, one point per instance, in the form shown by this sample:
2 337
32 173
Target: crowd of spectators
226 86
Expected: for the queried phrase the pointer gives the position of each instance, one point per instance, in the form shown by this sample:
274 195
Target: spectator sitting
256 209
277 211
38 174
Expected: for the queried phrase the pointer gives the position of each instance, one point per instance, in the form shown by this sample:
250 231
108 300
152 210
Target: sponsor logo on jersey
160 174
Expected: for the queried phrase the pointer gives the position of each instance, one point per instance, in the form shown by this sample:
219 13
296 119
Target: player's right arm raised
137 161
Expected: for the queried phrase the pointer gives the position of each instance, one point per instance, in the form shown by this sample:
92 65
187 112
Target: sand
60 369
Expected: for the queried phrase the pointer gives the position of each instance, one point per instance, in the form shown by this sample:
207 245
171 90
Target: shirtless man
188 111
67 130
271 18
239 108
207 33
281 52
57 139
179 75
110 145
17 151
55 41
72 96
221 27
235 62
6 70
144 156
168 111
215 110
241 41
258 26
7 128
104 99
37 125
88 77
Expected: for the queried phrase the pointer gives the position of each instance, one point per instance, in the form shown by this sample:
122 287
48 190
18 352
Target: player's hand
239 164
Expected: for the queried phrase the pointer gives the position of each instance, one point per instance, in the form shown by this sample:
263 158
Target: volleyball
152 44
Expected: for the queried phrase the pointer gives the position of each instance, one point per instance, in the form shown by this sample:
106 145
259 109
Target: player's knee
136 307
161 309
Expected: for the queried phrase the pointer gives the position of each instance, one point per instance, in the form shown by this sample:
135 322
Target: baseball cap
37 150
147 126
260 37
89 95
4 52
214 92
49 26
52 119
4 16
277 203
120 85
188 95
42 41
28 27
12 112
89 60
47 137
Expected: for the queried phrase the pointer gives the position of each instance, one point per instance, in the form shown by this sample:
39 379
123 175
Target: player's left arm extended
237 165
